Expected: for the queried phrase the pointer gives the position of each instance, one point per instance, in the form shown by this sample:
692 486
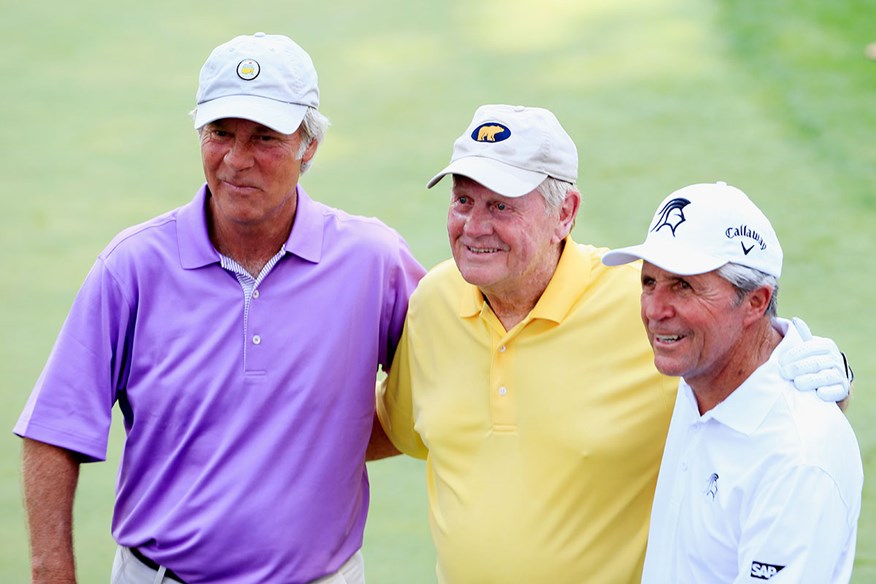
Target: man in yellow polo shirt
524 377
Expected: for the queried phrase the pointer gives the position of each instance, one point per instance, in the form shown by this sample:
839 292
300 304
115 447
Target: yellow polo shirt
542 443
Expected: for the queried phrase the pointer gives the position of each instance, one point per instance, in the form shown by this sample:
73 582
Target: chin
669 367
473 276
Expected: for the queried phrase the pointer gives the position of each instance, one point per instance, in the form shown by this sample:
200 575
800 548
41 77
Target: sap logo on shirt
764 571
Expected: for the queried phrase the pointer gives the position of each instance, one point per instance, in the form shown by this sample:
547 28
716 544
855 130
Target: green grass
774 96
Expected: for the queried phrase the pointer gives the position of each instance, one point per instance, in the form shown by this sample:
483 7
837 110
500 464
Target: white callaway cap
700 228
512 149
263 78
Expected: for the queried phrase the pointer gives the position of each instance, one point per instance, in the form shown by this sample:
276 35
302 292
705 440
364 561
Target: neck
511 306
251 245
752 350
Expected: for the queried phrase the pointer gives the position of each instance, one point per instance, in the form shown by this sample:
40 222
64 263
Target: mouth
237 186
482 250
667 339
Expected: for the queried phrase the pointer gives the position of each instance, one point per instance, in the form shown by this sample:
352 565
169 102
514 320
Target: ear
756 304
568 213
311 150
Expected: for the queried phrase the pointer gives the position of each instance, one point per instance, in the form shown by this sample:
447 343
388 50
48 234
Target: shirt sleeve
395 403
406 272
798 529
71 404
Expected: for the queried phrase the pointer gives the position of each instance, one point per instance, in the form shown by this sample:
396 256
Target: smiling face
507 247
251 170
695 324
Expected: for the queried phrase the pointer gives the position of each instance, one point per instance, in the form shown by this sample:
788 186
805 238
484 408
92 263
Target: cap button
519 108
259 34
721 183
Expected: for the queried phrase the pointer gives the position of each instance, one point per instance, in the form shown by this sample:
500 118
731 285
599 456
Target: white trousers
129 570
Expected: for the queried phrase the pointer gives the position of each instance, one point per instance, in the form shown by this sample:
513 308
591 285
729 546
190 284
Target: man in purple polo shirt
240 335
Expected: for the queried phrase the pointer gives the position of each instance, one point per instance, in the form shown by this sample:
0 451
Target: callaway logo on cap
700 228
512 149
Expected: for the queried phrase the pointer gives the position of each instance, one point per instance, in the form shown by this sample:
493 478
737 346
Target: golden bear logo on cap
490 132
248 69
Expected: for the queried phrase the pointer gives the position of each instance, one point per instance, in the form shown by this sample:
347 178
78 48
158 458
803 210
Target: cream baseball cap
701 227
512 149
264 78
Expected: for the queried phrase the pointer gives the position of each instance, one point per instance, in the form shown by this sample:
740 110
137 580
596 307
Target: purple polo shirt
245 453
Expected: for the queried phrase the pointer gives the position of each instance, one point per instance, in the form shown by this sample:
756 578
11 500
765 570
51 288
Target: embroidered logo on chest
712 486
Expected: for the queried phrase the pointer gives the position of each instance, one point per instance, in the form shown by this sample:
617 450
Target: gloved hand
818 365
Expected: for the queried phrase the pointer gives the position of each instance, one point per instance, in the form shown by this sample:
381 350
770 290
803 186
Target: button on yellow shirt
542 443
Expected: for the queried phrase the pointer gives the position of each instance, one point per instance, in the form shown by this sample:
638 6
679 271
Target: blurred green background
774 96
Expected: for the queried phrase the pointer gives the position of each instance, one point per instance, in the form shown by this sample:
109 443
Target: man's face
694 323
252 171
501 245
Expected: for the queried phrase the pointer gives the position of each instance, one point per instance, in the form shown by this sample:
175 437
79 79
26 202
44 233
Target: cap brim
279 116
504 179
672 258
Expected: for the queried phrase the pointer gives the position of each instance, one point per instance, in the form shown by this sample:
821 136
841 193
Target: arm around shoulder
50 475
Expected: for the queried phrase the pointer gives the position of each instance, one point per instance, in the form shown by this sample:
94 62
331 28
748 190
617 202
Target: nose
656 305
478 222
239 155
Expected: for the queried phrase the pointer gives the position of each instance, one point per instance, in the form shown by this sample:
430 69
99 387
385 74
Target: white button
502 349
255 294
503 390
256 340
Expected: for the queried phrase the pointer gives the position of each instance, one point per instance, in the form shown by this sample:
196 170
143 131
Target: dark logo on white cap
248 69
671 215
748 233
490 132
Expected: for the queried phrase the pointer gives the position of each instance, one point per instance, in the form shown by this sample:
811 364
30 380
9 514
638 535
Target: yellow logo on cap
488 133
491 132
248 69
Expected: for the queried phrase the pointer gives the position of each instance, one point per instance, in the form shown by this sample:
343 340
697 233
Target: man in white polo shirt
758 481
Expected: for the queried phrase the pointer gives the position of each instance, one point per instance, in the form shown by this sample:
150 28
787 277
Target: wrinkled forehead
462 181
712 277
242 123
469 186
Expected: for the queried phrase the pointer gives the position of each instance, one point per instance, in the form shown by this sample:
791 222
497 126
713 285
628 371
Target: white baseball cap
263 78
512 149
700 228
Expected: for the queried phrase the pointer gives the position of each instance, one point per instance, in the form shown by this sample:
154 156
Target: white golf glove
818 365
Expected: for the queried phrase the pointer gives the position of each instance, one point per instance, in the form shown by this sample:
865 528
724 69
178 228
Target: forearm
379 446
50 475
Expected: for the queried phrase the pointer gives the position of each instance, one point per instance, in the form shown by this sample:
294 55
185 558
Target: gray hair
554 192
313 128
747 280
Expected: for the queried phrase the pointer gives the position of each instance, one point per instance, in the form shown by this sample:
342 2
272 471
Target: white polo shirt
765 486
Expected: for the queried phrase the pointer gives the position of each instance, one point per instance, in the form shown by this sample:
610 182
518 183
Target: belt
155 566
